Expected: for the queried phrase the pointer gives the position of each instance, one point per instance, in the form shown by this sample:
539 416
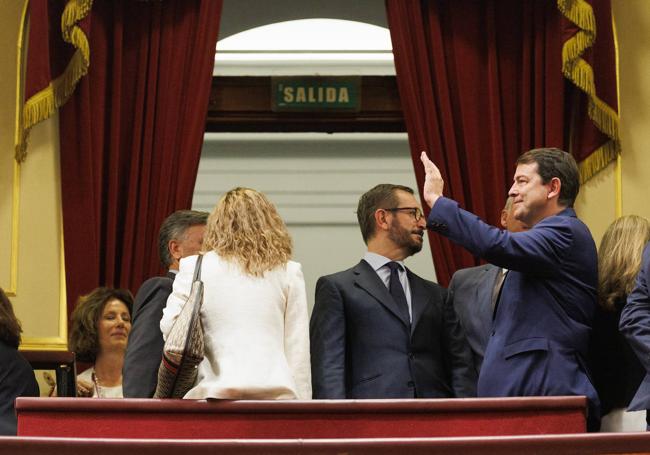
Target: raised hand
433 183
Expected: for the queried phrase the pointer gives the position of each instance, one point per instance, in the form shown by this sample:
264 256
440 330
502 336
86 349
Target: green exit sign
316 94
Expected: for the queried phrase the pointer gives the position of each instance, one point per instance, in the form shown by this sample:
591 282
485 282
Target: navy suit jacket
471 291
363 347
16 380
144 350
539 342
635 326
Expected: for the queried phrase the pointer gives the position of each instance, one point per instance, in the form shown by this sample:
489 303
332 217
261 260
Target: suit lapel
419 298
484 291
368 280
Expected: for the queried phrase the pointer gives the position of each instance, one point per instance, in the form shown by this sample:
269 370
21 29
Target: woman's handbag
184 348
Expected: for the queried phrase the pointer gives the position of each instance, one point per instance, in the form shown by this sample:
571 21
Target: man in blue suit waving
538 343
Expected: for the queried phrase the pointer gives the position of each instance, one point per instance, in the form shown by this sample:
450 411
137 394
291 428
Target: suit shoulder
339 276
156 288
564 222
462 274
432 286
472 270
156 282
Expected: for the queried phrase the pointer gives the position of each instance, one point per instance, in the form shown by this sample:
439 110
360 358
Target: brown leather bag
184 348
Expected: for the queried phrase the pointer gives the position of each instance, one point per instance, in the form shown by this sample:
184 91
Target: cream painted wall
633 25
597 203
8 34
38 293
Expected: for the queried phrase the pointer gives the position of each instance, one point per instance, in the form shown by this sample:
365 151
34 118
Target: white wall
315 180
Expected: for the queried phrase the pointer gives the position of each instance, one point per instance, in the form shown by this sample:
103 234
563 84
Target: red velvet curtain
131 136
480 83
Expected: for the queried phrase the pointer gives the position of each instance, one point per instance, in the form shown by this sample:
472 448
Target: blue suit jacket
362 346
635 326
471 291
540 336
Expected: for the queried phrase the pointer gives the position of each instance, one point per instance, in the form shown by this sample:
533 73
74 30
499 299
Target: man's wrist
431 199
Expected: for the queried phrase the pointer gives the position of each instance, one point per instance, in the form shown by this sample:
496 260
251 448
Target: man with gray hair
181 235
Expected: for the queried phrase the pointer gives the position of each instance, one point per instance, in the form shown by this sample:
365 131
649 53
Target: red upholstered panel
593 443
102 418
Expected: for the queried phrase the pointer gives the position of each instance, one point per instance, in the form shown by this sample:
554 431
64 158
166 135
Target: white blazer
256 330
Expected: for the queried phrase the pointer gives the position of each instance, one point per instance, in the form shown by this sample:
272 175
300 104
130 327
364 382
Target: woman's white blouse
256 330
104 392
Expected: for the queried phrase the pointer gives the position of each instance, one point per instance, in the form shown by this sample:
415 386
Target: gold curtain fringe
580 72
574 48
603 116
580 13
74 11
597 161
44 104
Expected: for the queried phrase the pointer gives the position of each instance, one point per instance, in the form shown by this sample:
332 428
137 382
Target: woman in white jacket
254 313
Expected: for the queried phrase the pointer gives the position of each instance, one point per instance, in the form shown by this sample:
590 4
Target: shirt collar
377 261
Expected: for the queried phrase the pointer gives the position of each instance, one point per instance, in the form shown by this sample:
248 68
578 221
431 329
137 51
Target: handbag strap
197 268
194 321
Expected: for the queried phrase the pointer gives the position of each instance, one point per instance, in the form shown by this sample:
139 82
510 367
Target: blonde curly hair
245 227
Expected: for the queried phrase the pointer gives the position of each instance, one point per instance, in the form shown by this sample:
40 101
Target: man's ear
554 187
504 219
380 220
174 247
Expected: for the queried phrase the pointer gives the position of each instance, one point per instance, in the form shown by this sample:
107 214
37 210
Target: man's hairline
184 234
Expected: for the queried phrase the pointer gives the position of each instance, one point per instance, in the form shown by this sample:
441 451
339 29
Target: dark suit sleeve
144 350
16 380
635 317
327 338
457 352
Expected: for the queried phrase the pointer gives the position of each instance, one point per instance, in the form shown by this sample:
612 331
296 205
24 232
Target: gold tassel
578 71
44 104
597 161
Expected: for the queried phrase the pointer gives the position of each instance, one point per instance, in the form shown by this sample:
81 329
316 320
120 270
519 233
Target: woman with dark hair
16 374
101 323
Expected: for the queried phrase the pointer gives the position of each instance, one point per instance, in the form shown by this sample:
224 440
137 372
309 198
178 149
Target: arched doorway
313 176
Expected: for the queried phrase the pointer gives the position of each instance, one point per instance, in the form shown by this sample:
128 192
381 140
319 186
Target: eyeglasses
415 212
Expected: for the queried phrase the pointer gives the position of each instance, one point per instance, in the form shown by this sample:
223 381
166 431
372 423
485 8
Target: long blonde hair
619 258
245 227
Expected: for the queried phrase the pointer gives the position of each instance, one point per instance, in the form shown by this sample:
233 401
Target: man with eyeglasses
380 331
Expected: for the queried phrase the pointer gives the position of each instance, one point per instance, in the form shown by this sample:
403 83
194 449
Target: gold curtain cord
45 103
578 71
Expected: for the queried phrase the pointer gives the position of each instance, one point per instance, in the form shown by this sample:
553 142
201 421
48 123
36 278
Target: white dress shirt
379 264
